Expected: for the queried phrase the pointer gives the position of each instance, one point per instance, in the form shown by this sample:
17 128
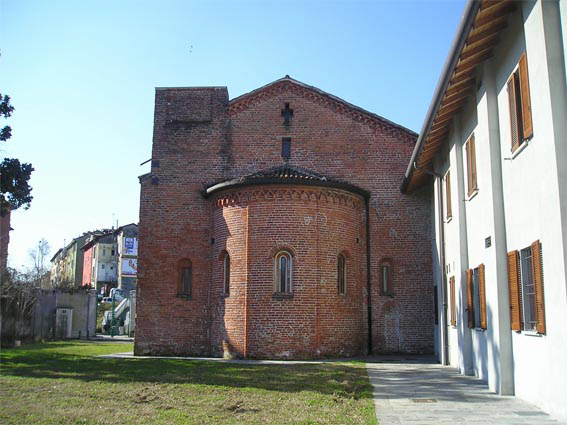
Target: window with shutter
525 279
471 165
514 291
470 301
525 98
448 195
482 296
537 271
519 103
513 106
452 300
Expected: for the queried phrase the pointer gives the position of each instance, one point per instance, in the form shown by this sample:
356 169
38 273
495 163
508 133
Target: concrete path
417 391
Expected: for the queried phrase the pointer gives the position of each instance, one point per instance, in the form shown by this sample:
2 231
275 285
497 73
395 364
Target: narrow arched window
283 272
185 279
386 287
341 274
226 274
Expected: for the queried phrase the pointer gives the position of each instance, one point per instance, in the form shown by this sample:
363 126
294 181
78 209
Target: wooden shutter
470 302
453 306
482 296
469 175
448 194
471 165
512 102
514 290
525 98
537 270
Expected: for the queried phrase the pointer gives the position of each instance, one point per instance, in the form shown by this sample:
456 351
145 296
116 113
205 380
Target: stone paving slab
417 391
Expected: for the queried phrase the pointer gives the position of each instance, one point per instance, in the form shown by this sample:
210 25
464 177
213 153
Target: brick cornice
288 85
268 194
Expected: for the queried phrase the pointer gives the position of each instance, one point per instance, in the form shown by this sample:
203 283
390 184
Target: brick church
272 226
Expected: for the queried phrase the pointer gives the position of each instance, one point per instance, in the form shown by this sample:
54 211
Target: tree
14 176
39 255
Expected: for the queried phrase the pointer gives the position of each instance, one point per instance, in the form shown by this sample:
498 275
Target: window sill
520 149
532 333
472 195
280 296
184 296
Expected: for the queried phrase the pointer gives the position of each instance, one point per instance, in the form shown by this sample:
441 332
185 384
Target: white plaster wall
532 210
532 194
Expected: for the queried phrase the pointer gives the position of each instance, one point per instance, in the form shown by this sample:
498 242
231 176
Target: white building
494 149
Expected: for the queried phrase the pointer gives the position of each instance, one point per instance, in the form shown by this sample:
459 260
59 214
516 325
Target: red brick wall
314 225
200 139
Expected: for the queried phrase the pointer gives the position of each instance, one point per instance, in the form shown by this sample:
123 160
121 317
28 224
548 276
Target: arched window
283 272
386 287
226 274
341 274
185 279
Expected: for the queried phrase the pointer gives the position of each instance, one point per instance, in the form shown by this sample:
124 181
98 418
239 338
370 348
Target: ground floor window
525 282
476 297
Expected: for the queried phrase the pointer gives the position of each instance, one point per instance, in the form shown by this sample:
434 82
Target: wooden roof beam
491 6
477 49
466 85
454 97
484 17
471 63
475 36
461 78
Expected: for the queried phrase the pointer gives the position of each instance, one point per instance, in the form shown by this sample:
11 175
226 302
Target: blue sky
81 75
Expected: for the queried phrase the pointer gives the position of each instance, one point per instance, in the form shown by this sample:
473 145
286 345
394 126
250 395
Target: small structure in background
46 314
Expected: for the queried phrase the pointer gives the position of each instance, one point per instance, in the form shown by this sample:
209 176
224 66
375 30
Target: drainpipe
444 338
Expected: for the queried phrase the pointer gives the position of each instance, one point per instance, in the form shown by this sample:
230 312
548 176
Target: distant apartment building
127 244
67 264
100 262
110 259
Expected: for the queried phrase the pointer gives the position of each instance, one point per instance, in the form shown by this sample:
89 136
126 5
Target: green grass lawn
62 382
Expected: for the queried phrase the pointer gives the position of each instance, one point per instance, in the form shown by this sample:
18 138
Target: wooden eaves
478 33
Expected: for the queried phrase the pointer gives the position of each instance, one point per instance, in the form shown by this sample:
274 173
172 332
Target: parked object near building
493 147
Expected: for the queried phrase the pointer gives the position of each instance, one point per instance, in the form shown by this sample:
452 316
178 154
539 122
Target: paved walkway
417 391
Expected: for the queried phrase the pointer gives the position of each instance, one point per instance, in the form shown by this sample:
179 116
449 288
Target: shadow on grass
331 379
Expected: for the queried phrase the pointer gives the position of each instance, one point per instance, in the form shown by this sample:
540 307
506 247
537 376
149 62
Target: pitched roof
478 33
357 113
284 174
